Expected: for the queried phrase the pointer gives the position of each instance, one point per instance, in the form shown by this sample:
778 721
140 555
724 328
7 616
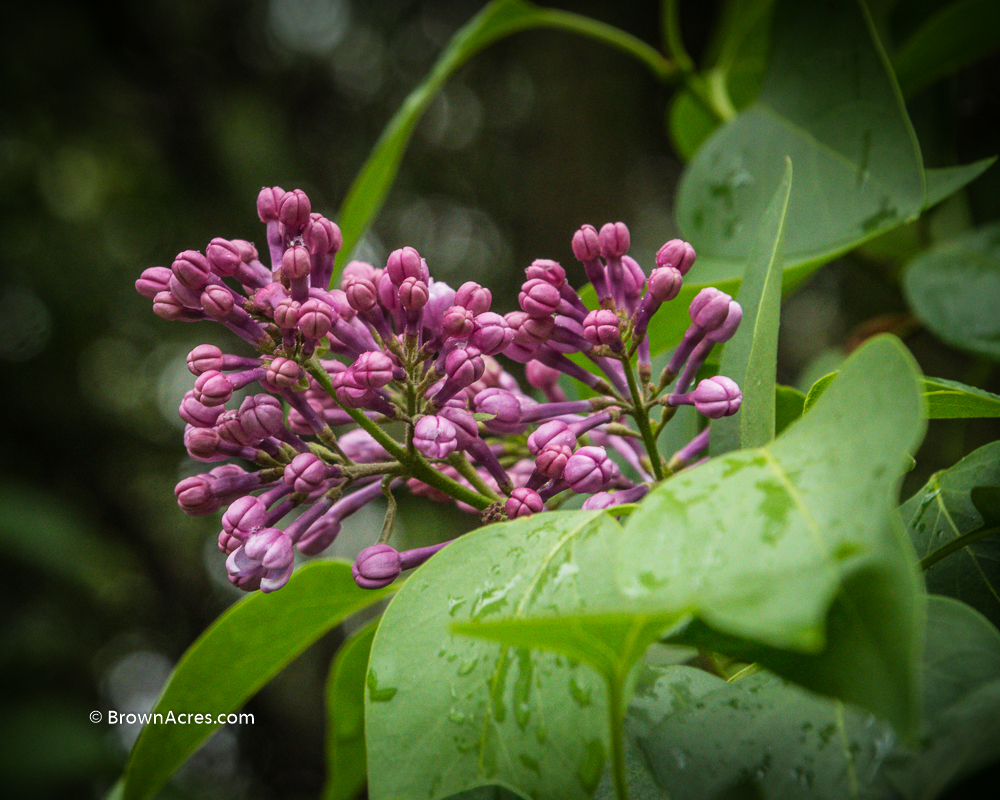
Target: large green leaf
954 289
944 511
830 103
346 760
796 546
239 653
705 739
447 713
791 554
957 34
945 399
498 19
751 356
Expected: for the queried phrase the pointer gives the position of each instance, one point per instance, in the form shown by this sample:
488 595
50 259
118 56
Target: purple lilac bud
435 437
361 294
295 269
205 357
601 328
377 566
212 388
405 263
462 367
589 470
587 249
217 301
266 556
192 269
504 407
552 459
308 473
677 254
603 500
664 285
244 516
283 372
539 298
197 414
322 235
635 282
477 299
523 502
729 326
545 269
293 212
153 281
458 323
715 397
710 308
267 203
315 319
195 496
375 369
690 451
261 416
466 427
491 334
554 432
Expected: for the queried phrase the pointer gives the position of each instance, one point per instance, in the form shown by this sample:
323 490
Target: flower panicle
304 411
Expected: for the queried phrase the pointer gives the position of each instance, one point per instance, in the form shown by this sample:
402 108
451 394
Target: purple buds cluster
305 411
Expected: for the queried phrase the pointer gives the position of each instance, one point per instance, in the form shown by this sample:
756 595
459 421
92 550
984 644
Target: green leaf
447 713
239 653
346 760
796 546
830 103
943 511
957 34
751 356
705 739
945 399
817 389
789 404
943 182
953 289
953 400
498 19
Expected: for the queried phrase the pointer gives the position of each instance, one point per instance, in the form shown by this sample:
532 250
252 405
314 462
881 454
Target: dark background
130 131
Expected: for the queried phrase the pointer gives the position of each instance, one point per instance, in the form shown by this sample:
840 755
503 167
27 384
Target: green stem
673 40
414 462
461 463
955 545
616 724
641 416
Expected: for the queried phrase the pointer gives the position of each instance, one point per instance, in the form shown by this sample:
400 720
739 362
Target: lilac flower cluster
333 366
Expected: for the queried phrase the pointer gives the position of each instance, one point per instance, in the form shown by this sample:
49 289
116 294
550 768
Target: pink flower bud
283 372
192 269
491 334
546 270
717 397
203 358
361 293
523 502
377 566
477 299
404 263
262 416
224 256
373 369
307 473
677 254
553 432
217 301
321 235
614 240
315 319
212 388
413 294
586 244
267 203
293 211
665 283
295 263
538 298
153 281
243 516
590 470
435 437
457 322
551 460
601 328
195 496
